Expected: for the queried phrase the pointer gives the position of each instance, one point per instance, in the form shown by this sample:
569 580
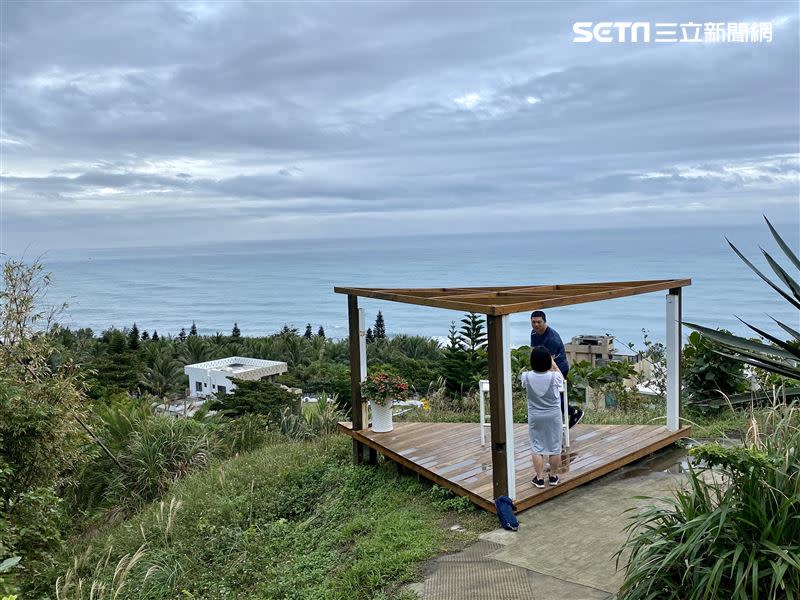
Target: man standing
542 335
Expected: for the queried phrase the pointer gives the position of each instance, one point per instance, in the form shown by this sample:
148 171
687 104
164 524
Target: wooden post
673 359
359 416
497 400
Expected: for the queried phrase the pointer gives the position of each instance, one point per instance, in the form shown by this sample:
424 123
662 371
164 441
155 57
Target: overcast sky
155 123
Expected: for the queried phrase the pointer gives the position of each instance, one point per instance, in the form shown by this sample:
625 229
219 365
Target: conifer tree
235 332
182 334
379 330
370 335
117 343
155 337
309 333
321 332
455 365
145 336
133 338
193 330
472 332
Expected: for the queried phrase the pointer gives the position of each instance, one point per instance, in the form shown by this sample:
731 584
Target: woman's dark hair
541 361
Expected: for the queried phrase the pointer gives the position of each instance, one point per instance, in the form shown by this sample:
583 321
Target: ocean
262 285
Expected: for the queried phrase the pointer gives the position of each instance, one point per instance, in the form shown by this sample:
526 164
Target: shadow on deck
451 455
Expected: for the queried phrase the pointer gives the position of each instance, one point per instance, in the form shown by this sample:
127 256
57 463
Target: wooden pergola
497 303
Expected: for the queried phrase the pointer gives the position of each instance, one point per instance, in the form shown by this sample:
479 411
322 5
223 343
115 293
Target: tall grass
286 521
734 532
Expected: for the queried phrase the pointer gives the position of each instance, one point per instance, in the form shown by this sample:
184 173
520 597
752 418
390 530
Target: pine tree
379 330
145 336
193 330
155 336
116 343
321 332
309 333
235 332
455 364
370 335
182 334
133 338
472 332
473 339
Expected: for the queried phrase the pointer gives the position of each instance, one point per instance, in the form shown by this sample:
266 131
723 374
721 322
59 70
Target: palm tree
163 376
780 357
195 350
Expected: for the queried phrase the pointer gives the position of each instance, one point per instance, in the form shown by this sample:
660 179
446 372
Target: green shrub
41 442
161 451
708 375
734 532
260 397
244 434
148 453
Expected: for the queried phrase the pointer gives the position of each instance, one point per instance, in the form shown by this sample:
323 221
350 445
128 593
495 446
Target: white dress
544 410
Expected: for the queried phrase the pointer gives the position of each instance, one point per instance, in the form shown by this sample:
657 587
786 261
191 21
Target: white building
215 376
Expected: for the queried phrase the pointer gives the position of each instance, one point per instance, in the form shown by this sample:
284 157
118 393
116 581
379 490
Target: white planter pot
381 417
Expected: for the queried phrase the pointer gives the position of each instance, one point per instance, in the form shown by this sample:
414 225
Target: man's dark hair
541 361
538 313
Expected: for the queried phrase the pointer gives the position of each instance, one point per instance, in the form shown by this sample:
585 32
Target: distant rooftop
243 367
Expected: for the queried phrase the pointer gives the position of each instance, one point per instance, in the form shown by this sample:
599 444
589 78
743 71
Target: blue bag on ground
505 513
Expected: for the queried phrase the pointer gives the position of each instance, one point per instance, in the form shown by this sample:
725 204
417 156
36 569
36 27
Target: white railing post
673 360
362 343
509 408
483 386
565 416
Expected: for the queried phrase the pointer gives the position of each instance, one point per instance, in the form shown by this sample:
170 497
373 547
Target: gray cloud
286 120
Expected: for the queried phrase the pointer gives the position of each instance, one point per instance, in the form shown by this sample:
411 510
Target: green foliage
163 375
779 356
133 338
244 434
40 439
734 532
329 378
316 419
148 453
465 360
608 379
707 374
379 331
260 397
110 374
287 521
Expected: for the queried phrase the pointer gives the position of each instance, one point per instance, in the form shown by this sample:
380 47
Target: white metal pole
362 342
483 413
509 408
673 361
566 415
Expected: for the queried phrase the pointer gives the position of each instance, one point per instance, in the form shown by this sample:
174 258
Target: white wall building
215 376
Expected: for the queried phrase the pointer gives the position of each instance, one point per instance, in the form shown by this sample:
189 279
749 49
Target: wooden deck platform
450 455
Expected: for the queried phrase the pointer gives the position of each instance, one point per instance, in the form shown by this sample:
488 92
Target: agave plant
781 357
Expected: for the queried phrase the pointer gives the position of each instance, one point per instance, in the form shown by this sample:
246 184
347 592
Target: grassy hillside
291 520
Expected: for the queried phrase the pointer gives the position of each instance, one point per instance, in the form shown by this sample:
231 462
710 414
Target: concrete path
564 548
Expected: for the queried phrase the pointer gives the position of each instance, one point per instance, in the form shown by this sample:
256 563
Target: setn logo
604 31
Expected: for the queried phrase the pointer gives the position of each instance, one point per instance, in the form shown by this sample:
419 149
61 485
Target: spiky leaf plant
781 357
